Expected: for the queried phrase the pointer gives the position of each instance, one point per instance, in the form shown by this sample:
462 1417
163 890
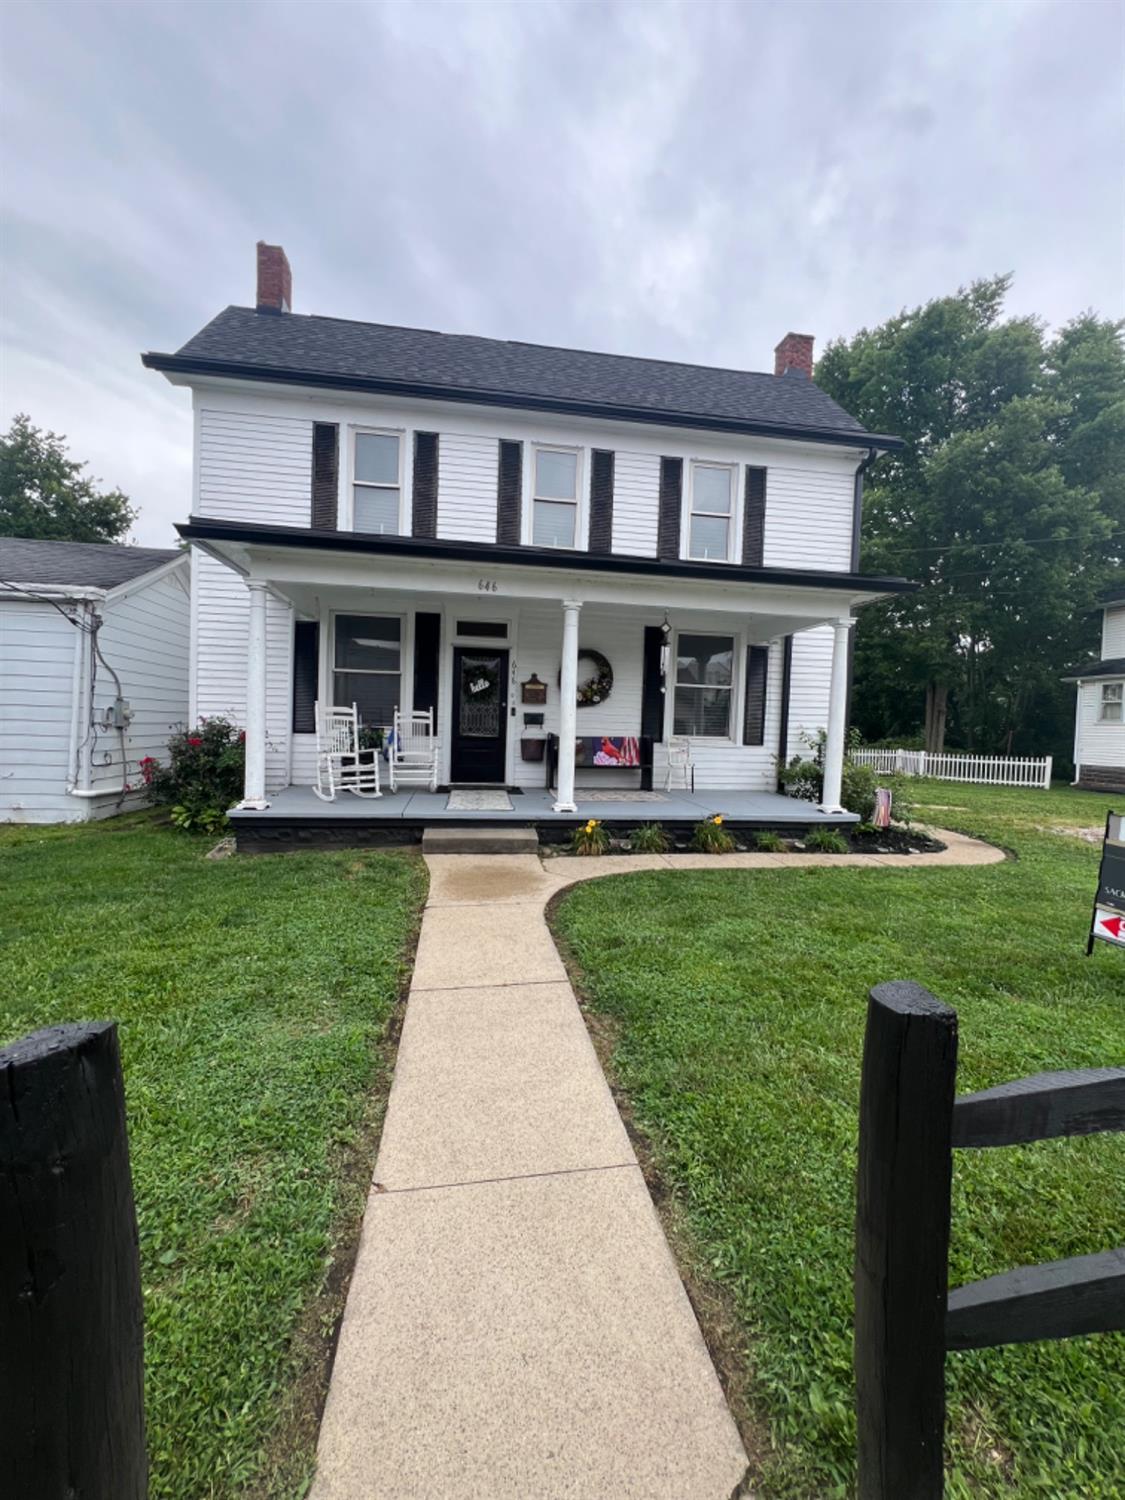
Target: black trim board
201 529
173 364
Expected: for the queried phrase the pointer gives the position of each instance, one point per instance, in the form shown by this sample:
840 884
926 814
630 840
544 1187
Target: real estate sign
1108 921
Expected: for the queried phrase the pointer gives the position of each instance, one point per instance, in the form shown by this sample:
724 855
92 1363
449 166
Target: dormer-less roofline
188 365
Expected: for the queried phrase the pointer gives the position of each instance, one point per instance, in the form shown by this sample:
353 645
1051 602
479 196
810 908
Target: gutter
175 364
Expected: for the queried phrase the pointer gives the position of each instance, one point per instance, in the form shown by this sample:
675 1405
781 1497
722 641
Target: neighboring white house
93 673
390 516
1099 718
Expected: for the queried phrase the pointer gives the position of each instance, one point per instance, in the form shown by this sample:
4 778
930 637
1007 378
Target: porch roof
294 554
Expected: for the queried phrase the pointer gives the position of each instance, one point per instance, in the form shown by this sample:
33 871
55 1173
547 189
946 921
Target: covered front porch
539 667
297 819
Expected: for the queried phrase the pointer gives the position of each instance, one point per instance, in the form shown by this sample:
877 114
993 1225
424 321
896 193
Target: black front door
480 715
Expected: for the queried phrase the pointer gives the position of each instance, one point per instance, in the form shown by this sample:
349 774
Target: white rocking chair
680 769
338 764
414 751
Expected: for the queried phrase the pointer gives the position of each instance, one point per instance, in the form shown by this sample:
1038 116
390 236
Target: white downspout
77 694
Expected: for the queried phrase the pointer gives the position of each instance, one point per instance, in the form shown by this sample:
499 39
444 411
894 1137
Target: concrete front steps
498 840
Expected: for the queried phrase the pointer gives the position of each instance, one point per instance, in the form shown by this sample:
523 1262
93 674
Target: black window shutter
508 493
427 647
754 707
325 475
601 500
306 663
652 695
754 518
424 500
671 501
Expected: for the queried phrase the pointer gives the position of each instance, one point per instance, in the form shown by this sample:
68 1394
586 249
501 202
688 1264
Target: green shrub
769 842
826 841
801 779
591 838
649 838
710 837
857 790
203 778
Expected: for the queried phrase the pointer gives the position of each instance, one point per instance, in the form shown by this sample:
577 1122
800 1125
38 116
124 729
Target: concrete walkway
516 1325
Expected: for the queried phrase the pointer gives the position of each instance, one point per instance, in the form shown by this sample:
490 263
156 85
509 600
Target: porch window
554 502
376 482
704 686
367 667
1112 693
712 512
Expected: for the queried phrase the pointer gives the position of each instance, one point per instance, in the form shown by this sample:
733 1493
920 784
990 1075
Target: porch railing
985 770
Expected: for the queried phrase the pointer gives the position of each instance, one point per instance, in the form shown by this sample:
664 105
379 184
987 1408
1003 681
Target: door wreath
597 684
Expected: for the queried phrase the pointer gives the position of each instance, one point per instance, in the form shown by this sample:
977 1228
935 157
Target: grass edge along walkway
744 1083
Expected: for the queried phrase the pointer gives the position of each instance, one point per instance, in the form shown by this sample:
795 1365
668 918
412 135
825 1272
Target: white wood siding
1096 743
809 515
144 638
468 467
222 605
809 689
1113 633
636 499
36 672
621 640
252 467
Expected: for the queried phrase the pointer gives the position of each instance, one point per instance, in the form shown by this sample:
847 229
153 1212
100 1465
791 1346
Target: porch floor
296 816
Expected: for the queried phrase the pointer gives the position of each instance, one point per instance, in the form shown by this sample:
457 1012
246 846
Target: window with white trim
1112 697
711 520
376 482
367 666
554 497
703 705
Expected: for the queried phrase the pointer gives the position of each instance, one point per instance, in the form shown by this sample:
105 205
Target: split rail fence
906 1318
984 770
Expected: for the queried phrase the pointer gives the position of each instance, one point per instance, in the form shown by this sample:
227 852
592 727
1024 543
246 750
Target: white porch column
568 707
837 710
254 790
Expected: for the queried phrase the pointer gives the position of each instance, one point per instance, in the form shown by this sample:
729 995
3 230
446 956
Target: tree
1007 506
45 494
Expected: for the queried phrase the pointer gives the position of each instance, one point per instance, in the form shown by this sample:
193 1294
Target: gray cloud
686 181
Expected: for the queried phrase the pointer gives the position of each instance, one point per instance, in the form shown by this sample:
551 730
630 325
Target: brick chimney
275 282
794 353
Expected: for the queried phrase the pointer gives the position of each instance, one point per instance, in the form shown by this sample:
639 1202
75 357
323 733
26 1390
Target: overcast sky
682 181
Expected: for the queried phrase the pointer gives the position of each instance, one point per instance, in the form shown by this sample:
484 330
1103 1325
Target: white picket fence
986 770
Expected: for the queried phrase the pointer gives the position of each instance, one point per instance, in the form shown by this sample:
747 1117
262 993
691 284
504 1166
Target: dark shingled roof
460 364
97 565
1112 667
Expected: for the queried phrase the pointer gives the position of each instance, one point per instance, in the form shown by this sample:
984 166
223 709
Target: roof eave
201 528
190 365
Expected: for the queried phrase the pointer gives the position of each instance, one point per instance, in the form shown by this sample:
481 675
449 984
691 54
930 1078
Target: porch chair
680 770
414 751
338 766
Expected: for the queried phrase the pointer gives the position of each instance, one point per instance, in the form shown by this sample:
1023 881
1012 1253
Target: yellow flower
718 819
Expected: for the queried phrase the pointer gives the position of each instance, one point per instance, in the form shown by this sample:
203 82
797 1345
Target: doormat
582 795
478 801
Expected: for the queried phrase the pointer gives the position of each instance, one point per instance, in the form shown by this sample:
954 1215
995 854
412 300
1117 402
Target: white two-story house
393 517
1099 718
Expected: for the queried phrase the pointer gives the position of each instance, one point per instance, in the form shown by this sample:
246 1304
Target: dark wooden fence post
902 1242
71 1386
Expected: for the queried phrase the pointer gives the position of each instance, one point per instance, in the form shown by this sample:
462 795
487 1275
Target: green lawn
737 1000
253 997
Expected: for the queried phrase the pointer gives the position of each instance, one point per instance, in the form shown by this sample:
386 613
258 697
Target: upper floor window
711 521
554 499
1112 694
377 482
704 696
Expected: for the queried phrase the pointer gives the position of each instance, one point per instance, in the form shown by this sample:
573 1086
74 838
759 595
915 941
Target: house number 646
487 586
